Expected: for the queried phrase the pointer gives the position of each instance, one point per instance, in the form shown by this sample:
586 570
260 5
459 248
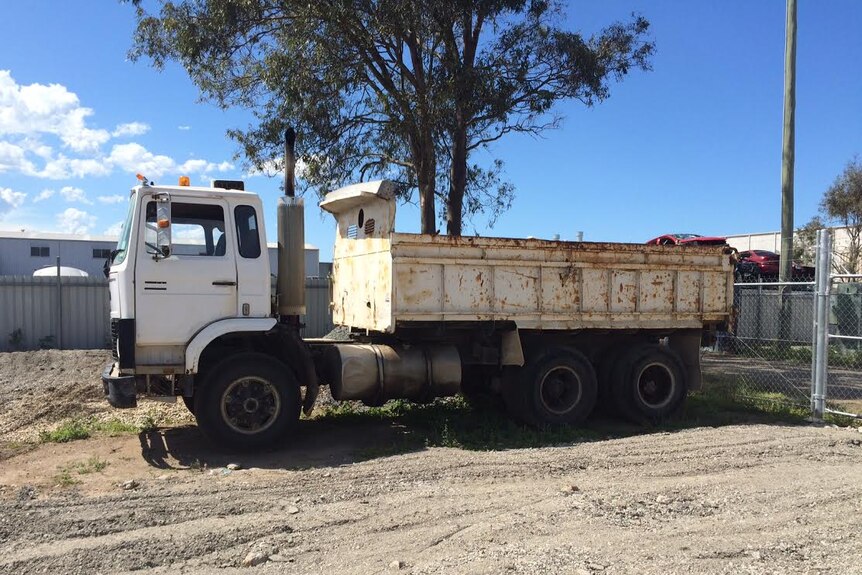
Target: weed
67 431
92 465
148 424
16 339
83 428
64 478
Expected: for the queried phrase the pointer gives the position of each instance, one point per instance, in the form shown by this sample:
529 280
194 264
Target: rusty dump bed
383 279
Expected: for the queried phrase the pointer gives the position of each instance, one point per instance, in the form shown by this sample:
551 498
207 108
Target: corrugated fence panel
318 318
86 313
28 312
29 304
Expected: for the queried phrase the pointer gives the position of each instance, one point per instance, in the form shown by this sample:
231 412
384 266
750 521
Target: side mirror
162 226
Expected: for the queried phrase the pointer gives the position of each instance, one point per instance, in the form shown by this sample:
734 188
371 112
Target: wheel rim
656 385
560 390
250 405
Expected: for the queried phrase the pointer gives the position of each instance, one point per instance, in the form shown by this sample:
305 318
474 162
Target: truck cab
191 261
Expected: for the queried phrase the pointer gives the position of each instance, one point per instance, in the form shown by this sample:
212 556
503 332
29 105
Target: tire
248 401
189 403
604 372
556 388
649 384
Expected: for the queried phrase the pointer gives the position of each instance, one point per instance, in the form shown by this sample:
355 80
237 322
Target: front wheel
248 401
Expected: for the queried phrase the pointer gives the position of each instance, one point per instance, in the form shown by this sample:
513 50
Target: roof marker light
184 181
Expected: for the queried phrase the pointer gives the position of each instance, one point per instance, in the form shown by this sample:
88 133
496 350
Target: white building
771 242
22 253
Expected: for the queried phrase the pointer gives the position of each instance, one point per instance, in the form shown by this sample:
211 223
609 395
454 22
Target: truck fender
204 337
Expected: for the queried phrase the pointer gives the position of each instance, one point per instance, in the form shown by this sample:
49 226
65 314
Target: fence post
59 307
822 281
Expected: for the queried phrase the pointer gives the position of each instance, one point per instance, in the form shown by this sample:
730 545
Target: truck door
178 295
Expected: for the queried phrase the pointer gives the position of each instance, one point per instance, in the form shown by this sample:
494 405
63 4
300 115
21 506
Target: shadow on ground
347 434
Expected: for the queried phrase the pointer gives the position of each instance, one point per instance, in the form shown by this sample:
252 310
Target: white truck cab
190 259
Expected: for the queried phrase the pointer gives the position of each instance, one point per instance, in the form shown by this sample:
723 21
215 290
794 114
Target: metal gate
836 382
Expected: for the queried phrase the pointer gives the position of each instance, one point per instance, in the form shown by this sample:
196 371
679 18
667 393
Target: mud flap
120 390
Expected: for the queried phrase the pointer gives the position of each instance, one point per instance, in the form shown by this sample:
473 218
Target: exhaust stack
291 239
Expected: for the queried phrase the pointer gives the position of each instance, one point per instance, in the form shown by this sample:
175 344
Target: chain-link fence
843 390
767 353
797 343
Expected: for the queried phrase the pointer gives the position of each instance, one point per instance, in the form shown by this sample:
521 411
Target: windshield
119 254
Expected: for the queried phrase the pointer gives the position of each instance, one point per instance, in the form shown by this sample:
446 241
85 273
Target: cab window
248 236
196 229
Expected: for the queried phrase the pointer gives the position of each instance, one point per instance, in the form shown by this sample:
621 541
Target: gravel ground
738 499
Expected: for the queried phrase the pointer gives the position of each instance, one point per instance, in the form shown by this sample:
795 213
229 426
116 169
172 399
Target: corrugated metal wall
29 304
318 317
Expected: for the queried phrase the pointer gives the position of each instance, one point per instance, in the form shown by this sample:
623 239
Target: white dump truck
548 326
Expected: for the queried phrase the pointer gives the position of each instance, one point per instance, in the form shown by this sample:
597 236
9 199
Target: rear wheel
648 384
557 387
248 401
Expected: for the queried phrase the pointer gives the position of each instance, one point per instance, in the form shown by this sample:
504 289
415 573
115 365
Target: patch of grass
725 400
451 422
83 428
65 476
67 431
92 465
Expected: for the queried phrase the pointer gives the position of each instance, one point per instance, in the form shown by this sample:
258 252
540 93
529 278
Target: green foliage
406 90
805 241
47 342
842 203
67 431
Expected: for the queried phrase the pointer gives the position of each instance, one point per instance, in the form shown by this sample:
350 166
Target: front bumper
120 390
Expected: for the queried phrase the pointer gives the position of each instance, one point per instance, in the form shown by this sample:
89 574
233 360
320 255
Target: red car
687 240
754 264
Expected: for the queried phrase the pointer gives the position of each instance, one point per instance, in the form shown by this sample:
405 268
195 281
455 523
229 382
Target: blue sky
693 146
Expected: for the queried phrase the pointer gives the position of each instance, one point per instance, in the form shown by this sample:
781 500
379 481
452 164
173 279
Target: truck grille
115 326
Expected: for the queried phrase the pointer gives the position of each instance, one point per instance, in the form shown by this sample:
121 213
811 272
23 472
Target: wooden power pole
785 268
789 144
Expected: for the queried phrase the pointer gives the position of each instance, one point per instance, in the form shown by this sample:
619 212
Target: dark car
755 265
687 240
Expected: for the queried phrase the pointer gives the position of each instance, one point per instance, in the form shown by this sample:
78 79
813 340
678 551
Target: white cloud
72 194
44 195
75 221
184 128
115 199
13 158
130 129
135 158
196 166
115 229
36 117
11 198
52 109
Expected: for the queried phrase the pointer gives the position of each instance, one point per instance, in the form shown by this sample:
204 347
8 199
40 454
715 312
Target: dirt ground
736 499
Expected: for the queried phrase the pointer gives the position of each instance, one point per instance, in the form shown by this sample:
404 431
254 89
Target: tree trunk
426 177
457 178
